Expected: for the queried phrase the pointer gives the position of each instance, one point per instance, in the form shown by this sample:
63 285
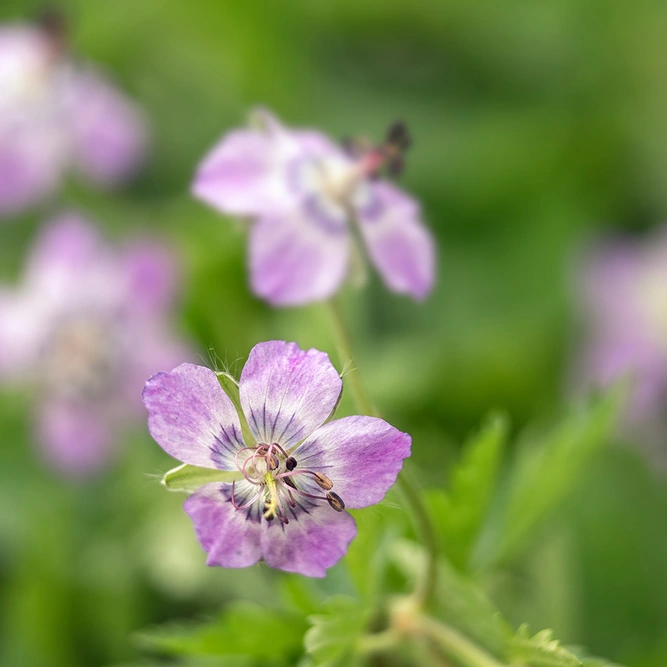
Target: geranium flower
294 481
57 114
83 330
623 298
310 198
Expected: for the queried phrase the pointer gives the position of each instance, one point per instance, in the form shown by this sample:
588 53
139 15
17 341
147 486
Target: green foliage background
538 125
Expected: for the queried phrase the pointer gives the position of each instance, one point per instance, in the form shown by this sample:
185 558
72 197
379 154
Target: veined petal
231 537
287 392
362 456
399 245
313 541
294 260
192 418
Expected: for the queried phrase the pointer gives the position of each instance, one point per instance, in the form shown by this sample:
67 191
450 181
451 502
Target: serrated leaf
187 479
333 635
541 650
231 387
545 470
243 629
460 513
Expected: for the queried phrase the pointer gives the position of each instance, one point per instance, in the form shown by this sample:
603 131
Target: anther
290 463
272 462
335 501
323 481
289 481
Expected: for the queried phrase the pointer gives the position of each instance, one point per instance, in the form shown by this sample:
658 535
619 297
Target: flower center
281 485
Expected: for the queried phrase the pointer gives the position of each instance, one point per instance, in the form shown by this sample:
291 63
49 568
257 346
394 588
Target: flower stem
455 645
409 488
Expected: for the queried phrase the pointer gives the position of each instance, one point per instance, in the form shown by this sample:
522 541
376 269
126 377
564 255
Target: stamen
289 481
290 463
335 501
323 481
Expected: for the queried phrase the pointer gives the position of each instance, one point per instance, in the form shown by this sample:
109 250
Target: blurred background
539 127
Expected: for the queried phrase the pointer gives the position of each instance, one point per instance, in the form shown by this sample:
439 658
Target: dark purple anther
290 463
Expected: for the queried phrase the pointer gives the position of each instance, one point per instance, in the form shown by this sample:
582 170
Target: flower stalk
408 487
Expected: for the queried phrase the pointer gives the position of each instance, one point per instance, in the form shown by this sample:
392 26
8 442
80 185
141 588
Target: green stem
409 488
455 645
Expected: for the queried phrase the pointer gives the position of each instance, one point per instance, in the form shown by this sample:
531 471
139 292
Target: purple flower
294 480
56 115
624 304
309 198
84 329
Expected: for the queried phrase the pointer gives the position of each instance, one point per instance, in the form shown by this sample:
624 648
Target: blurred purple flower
85 328
309 199
624 305
294 482
55 115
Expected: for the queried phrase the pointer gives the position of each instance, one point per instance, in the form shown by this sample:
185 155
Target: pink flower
293 483
57 115
309 198
83 329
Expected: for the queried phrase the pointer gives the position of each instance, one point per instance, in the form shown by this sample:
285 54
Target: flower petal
231 537
294 261
362 456
192 418
399 245
287 392
108 130
242 174
312 541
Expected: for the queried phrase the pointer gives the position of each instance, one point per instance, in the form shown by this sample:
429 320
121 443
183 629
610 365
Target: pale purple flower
83 329
58 115
296 477
310 199
623 294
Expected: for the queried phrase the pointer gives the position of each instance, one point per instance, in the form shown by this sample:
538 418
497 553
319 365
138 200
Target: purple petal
192 418
108 130
294 261
77 439
399 245
310 543
362 456
242 174
230 537
287 392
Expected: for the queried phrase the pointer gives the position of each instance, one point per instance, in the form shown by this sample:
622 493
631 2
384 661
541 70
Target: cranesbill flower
310 199
85 327
623 296
297 476
57 115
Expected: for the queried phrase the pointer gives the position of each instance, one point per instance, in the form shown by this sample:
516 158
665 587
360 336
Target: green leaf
231 388
187 479
333 635
545 471
542 650
460 513
243 629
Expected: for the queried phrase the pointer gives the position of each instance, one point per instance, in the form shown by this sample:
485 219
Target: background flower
57 115
310 199
85 325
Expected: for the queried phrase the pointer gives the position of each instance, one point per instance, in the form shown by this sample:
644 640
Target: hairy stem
407 485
